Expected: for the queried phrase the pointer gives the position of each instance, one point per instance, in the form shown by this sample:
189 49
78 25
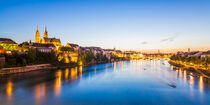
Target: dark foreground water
128 82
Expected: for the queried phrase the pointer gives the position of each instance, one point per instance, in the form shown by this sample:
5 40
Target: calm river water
129 82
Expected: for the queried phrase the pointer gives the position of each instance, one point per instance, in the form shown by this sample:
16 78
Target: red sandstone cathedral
45 39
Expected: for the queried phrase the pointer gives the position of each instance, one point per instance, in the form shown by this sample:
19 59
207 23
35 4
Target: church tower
37 38
45 33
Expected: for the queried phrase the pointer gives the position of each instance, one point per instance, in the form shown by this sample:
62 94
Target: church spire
37 37
37 28
45 29
45 33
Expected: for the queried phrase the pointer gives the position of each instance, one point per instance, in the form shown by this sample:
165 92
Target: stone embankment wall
25 68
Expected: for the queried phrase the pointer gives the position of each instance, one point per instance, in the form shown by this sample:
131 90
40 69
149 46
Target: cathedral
46 40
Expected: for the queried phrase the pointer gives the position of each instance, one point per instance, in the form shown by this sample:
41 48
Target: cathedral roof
52 40
24 43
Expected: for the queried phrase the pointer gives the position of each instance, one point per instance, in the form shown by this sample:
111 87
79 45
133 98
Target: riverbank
27 68
204 73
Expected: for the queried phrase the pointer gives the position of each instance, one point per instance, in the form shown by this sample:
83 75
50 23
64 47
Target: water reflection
185 76
80 71
40 93
74 73
66 74
114 66
180 73
57 85
189 78
191 82
9 89
176 74
64 84
201 84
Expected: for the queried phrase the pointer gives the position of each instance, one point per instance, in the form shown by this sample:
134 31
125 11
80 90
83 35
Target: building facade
8 45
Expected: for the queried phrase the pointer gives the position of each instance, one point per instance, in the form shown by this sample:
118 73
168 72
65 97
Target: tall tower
37 38
45 33
188 50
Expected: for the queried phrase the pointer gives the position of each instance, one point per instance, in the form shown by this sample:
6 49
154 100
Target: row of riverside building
47 45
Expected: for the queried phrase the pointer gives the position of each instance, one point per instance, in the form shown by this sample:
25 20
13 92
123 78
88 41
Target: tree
66 49
81 59
205 62
32 56
88 56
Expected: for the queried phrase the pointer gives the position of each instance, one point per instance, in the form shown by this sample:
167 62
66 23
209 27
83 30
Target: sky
140 25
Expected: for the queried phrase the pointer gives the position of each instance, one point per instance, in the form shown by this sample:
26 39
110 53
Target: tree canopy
66 49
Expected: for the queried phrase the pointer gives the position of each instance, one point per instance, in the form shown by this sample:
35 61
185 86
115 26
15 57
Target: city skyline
170 26
105 52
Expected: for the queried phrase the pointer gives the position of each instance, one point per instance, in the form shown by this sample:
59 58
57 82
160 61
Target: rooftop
42 45
7 40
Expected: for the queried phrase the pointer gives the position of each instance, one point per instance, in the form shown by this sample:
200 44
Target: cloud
169 39
144 42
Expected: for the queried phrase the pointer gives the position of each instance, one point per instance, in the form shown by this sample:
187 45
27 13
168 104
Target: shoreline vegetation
200 66
36 60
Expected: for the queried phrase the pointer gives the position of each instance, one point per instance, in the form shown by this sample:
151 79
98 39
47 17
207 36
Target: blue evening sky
143 25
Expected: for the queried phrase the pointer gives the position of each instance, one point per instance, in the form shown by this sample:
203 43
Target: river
127 82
